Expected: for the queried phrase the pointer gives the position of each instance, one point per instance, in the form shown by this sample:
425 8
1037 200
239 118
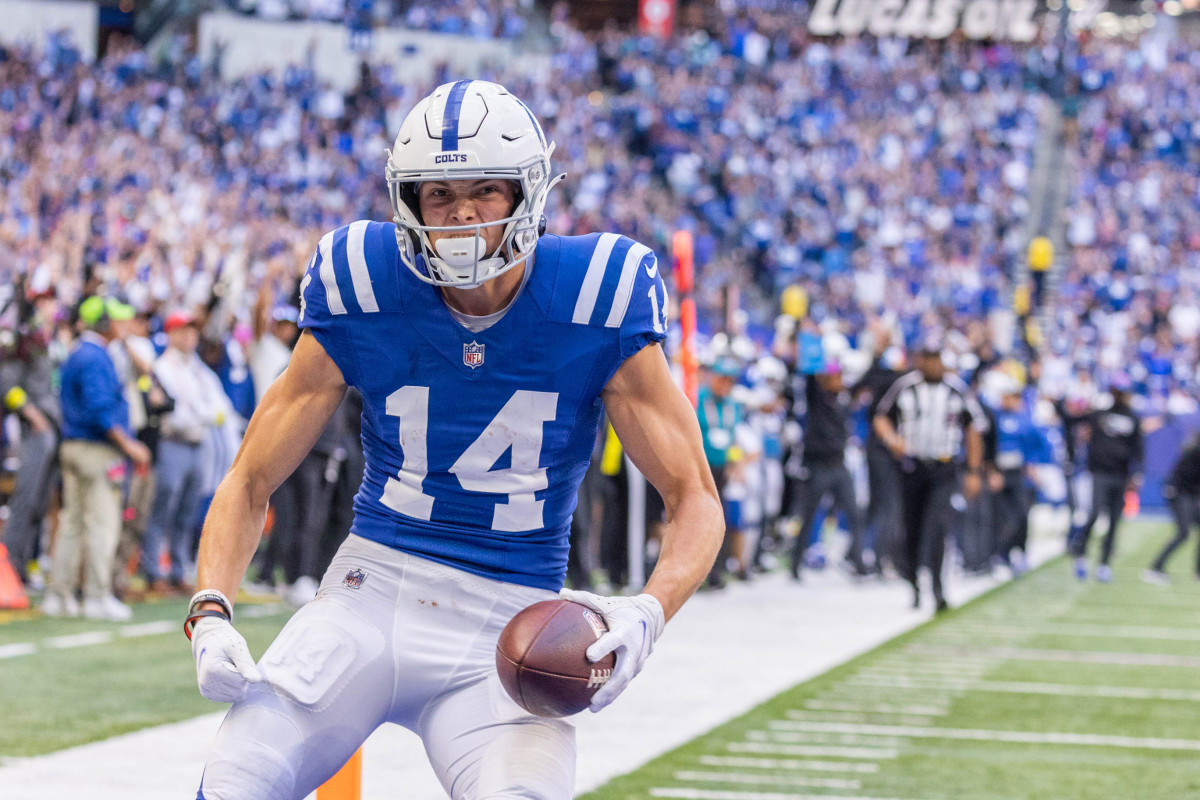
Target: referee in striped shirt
925 419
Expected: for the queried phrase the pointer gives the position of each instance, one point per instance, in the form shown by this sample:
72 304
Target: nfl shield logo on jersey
354 579
473 354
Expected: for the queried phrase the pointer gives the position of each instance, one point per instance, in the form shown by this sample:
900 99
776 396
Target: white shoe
1155 577
302 591
109 608
258 588
56 605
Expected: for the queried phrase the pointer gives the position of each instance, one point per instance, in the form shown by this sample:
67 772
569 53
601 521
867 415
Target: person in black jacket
1182 491
1114 459
883 478
822 464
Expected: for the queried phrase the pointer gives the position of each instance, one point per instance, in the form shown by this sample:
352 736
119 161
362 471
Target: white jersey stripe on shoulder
356 254
586 302
620 304
333 295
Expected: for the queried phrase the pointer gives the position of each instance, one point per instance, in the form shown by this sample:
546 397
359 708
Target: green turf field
61 687
1045 689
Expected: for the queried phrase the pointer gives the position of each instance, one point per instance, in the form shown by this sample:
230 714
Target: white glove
634 625
224 666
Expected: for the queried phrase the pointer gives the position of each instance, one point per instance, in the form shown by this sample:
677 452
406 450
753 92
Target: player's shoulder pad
606 280
353 271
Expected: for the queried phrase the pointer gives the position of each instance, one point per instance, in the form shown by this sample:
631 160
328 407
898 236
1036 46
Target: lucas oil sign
1011 20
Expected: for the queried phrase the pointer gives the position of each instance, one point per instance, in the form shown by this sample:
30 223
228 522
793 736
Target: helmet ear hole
542 226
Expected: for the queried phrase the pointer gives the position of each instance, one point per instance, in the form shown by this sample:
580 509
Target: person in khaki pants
96 442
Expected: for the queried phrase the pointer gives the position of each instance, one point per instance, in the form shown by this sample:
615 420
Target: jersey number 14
518 425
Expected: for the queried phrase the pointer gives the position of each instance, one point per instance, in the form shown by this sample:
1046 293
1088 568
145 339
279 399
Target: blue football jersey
476 443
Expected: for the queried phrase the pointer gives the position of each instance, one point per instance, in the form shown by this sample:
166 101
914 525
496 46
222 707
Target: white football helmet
469 130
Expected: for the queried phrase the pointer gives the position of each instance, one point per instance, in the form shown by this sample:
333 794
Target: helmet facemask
463 261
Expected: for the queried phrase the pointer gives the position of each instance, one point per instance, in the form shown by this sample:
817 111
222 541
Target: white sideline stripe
881 708
586 302
360 276
1017 737
1082 656
825 751
929 669
149 628
79 640
265 610
789 763
970 672
855 716
17 649
1147 600
710 794
620 303
1021 687
922 664
1089 630
766 780
92 638
333 295
794 737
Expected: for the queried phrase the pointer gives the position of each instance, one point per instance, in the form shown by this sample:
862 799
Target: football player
484 349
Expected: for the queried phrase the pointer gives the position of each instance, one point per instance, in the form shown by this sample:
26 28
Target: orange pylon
346 784
12 592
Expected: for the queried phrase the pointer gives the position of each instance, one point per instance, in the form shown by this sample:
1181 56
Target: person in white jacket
182 469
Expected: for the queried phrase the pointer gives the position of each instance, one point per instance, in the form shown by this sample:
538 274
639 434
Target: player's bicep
657 425
291 416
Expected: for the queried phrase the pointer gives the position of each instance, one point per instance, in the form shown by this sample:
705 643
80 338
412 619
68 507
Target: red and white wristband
194 614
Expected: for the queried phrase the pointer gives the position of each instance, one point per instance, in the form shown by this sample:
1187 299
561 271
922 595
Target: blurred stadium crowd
877 191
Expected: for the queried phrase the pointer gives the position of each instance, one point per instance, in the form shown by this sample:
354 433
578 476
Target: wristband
211 596
196 616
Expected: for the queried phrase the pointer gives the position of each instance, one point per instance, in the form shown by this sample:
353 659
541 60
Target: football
542 661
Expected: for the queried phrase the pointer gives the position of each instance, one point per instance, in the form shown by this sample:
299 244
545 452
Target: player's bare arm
293 412
658 428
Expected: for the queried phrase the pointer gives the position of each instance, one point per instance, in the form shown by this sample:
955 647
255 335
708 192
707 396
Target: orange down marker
346 784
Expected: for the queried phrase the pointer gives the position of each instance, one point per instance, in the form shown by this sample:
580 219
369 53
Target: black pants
1012 504
927 488
1108 494
1186 510
818 480
580 560
977 532
302 507
614 527
883 507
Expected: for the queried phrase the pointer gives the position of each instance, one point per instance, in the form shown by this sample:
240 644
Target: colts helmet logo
354 579
473 354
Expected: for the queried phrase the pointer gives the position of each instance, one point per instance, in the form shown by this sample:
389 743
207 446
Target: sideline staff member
924 420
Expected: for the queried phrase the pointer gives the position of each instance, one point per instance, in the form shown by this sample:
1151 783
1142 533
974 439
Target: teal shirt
718 419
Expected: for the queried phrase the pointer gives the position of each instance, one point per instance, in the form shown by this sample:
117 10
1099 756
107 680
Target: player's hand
972 484
634 625
224 666
137 452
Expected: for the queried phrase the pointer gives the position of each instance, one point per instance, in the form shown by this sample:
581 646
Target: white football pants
413 643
